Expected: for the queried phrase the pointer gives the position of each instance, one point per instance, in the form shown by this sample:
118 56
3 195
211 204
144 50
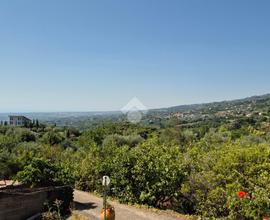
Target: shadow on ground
84 206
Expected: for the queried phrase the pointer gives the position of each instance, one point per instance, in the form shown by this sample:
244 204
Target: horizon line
119 111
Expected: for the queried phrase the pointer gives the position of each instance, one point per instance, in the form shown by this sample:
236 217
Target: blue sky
87 55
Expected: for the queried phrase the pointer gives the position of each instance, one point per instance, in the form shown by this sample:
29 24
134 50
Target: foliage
52 138
41 173
220 174
194 163
8 165
119 140
54 211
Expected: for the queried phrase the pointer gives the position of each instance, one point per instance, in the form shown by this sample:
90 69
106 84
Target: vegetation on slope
216 167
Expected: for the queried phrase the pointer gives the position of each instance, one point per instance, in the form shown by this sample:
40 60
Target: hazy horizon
119 110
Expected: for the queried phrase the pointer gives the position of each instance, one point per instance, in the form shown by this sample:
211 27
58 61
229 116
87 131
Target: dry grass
77 216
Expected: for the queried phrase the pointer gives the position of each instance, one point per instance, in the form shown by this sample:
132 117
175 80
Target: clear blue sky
84 55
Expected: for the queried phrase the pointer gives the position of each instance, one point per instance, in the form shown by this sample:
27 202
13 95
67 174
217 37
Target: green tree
42 172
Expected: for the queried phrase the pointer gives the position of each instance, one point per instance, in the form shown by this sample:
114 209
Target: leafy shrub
41 173
27 136
158 173
119 140
8 165
147 174
52 138
211 188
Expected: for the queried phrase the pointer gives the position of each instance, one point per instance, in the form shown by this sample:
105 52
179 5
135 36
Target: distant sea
47 116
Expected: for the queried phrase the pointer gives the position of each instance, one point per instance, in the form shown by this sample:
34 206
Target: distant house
19 120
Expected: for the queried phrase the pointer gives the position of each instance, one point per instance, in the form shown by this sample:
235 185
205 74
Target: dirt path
89 205
6 183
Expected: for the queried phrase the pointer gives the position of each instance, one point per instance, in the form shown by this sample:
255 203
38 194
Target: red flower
241 194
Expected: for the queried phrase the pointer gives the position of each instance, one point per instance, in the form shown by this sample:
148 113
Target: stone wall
20 203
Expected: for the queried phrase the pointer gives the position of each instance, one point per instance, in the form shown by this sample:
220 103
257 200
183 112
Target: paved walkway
90 206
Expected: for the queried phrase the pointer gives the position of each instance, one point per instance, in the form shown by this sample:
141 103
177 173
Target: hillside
185 114
256 106
255 102
211 160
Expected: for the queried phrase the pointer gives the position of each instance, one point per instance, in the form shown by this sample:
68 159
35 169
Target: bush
25 135
8 165
52 138
119 140
219 174
147 174
40 173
